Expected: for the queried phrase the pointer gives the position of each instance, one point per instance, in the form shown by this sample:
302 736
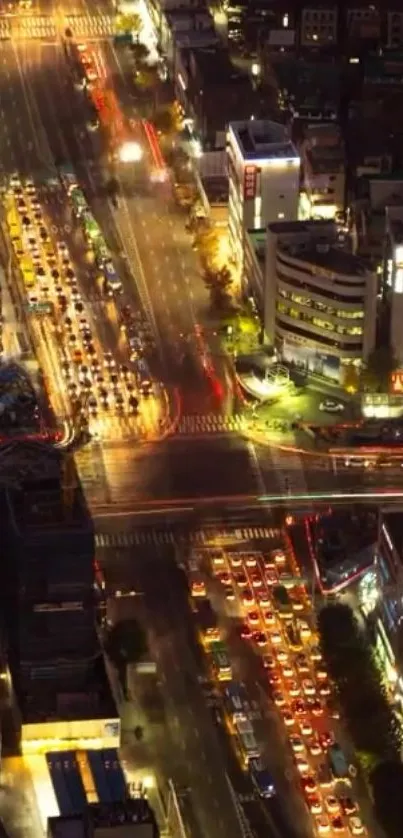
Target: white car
331 406
356 826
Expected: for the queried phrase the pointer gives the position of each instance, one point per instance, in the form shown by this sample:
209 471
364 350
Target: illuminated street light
130 153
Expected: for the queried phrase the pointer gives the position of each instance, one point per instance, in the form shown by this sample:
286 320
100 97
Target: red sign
396 382
249 183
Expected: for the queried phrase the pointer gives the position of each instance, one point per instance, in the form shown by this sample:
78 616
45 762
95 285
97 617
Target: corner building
263 173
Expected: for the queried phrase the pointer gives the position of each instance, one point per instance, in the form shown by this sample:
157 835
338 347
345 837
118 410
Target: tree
125 643
165 121
363 699
375 377
219 284
147 77
207 242
387 791
139 52
127 23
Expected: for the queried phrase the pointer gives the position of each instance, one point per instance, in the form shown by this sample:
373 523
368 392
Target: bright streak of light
130 152
153 142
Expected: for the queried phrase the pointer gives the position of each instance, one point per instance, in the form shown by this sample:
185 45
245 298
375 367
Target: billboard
249 183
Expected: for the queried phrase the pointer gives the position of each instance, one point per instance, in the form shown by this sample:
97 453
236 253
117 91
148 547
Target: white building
263 172
317 301
323 171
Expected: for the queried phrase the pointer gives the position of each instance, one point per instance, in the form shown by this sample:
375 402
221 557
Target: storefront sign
396 382
249 186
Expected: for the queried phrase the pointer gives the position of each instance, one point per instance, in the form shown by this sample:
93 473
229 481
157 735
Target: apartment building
317 301
263 172
323 168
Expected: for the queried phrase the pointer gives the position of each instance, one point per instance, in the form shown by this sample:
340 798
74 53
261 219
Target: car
269 662
271 577
322 824
72 338
250 560
331 406
245 631
298 707
83 372
282 655
301 663
278 557
119 400
86 337
332 708
314 804
309 784
241 580
347 804
256 580
324 689
260 638
278 698
324 775
72 388
268 563
109 360
248 598
114 379
78 356
263 599
274 678
269 618
306 728
315 653
90 350
337 824
315 707
326 738
288 717
356 826
235 560
297 744
224 577
320 672
253 618
297 603
304 629
294 689
314 746
308 686
287 671
66 369
275 638
83 324
332 804
229 593
302 765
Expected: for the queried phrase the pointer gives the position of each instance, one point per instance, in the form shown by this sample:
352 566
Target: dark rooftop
326 158
216 189
78 695
215 67
132 817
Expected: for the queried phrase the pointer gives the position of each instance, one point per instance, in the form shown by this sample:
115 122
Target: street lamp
130 152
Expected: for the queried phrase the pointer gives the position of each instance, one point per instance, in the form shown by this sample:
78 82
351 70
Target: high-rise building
263 171
49 599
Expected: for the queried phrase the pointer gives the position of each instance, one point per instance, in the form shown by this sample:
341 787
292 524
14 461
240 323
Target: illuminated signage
396 382
249 185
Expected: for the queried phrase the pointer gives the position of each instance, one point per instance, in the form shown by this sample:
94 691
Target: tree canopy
219 284
364 702
387 791
381 363
126 643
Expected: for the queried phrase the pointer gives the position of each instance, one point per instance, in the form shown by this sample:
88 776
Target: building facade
323 171
263 172
318 302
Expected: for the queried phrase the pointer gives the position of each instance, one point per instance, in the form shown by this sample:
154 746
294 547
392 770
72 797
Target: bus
236 700
261 778
79 202
221 663
246 740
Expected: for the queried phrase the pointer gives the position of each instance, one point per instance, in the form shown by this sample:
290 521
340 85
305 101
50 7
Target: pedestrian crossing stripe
164 537
211 423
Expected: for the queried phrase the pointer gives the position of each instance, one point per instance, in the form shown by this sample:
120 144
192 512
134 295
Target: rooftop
78 695
330 258
216 189
329 159
319 227
262 139
133 817
214 65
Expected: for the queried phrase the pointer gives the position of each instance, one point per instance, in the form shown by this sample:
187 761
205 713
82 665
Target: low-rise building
323 170
319 26
263 171
212 92
186 29
132 818
317 300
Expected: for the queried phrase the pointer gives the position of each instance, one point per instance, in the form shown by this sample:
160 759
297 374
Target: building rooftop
214 65
132 818
330 258
262 139
312 87
216 189
326 159
319 227
78 695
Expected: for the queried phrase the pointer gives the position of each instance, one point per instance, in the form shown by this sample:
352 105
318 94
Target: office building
317 300
323 171
263 172
49 601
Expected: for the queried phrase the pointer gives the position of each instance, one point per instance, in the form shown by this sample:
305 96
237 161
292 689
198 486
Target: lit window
285 21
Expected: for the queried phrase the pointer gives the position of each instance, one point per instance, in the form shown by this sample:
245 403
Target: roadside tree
219 284
386 782
375 377
128 23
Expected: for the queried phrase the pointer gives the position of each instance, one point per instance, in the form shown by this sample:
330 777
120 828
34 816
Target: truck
338 763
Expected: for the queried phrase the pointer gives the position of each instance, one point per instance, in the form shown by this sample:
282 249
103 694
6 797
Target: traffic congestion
265 596
84 381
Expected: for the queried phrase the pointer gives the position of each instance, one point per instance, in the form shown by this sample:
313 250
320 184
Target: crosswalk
46 28
202 537
211 423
